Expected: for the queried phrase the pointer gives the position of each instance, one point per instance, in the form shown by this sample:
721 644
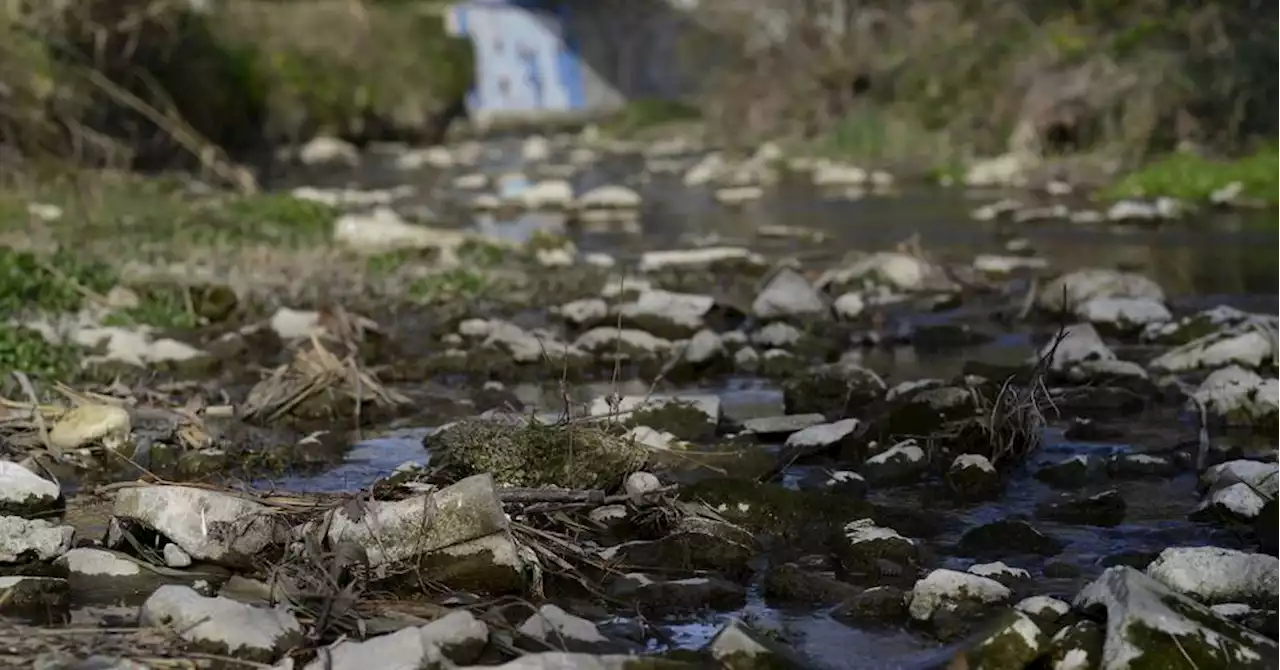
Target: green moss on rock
522 453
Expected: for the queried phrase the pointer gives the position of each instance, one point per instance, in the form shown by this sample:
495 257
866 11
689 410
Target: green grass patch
650 113
1194 178
48 283
25 350
459 284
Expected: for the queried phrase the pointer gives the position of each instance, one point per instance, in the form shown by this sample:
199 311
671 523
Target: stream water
1226 258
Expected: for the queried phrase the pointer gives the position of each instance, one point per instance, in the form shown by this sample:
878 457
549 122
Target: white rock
1239 500
1259 475
1124 313
20 538
1249 346
83 425
208 525
1239 396
707 403
775 335
384 230
705 346
472 181
1007 170
556 626
1001 265
683 312
235 628
891 269
175 557
1080 343
329 151
996 570
640 483
536 148
943 589
652 438
682 258
1082 286
605 340
789 294
823 435
437 157
1145 617
293 324
1042 605
835 174
552 193
849 305
706 170
609 197
584 311
1216 576
734 195
23 491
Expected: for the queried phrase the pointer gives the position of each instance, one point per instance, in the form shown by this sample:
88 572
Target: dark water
1222 258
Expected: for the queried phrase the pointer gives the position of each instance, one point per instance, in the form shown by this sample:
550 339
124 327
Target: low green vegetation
27 351
1194 178
640 115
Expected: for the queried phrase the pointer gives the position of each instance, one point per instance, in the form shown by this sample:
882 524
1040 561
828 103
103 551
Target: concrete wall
558 57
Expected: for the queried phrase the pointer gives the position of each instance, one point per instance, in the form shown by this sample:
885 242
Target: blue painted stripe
568 64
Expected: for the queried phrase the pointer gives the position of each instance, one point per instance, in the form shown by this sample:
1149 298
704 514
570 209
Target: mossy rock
806 517
530 453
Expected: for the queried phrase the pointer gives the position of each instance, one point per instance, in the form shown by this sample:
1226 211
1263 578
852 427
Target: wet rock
558 629
1080 344
1137 466
521 452
23 540
1009 576
738 647
876 606
793 583
1071 291
24 493
1216 576
1072 472
973 477
1248 346
656 596
1104 509
1238 502
1005 170
1262 621
222 626
1123 315
948 601
668 314
609 196
922 407
704 348
640 483
405 648
1150 624
584 313
396 531
846 482
873 554
1088 430
102 577
550 194
1076 647
521 345
998 265
695 543
84 425
1240 397
692 416
653 438
175 557
629 343
746 359
1265 477
1143 211
1014 641
901 463
788 295
1007 537
706 257
328 151
895 271
849 306
823 437
209 525
1201 324
491 564
770 428
38 601
1044 609
777 335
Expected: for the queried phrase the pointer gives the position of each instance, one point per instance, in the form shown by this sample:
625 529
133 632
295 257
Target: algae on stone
529 453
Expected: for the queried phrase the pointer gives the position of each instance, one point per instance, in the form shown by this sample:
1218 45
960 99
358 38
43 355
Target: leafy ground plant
1195 178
